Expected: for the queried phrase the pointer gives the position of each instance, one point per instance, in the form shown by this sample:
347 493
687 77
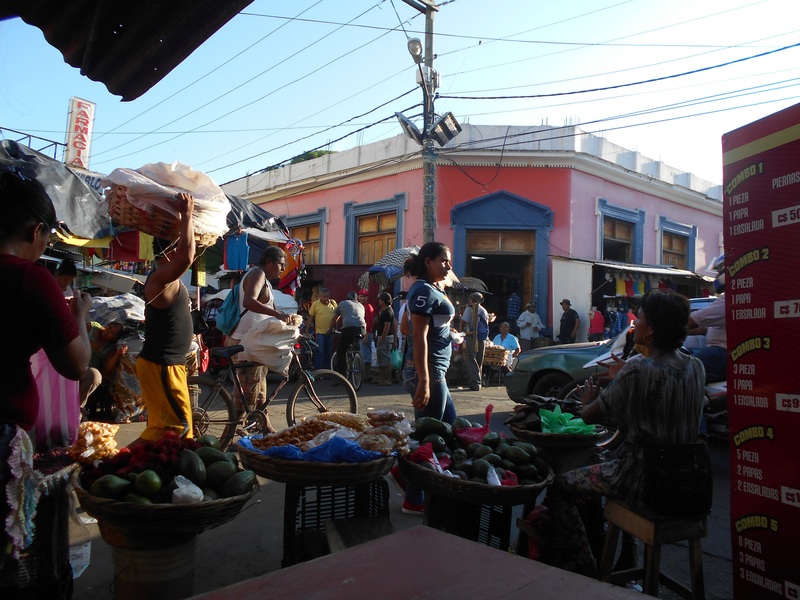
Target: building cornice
323 175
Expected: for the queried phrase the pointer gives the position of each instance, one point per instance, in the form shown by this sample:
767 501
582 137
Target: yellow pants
166 396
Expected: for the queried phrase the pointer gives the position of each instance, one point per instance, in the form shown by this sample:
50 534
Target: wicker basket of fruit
315 473
135 489
560 440
473 492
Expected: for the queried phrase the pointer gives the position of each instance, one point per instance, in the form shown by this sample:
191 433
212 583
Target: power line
464 148
214 70
319 132
229 112
622 85
485 40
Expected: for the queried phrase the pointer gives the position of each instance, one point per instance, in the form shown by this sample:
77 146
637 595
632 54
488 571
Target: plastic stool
654 530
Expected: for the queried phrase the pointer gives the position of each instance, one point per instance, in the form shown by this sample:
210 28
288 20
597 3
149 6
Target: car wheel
550 385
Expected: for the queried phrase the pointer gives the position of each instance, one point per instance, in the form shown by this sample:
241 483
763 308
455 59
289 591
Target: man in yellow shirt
320 319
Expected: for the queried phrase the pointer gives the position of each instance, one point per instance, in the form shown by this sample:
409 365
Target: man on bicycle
256 302
349 316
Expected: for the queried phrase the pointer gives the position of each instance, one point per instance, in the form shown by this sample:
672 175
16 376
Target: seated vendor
672 384
509 342
105 356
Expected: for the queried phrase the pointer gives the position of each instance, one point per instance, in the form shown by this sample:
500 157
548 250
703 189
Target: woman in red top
36 317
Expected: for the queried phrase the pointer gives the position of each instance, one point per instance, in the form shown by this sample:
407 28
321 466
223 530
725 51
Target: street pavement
252 544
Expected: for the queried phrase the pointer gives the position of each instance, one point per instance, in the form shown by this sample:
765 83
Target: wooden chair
654 530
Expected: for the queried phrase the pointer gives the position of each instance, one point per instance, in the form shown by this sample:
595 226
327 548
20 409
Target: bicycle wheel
333 362
356 371
213 411
318 392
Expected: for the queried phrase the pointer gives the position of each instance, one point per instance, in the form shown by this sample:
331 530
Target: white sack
270 343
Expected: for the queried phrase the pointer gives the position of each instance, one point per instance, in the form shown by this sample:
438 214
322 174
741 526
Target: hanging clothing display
236 252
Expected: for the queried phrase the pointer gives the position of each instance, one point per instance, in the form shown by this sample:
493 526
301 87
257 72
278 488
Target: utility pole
428 80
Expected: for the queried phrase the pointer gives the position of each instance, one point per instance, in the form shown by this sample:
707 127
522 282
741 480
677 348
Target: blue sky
285 77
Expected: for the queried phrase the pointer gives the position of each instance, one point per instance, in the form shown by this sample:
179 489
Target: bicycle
214 408
355 363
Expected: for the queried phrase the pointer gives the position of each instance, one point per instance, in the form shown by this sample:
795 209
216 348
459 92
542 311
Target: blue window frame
679 229
353 211
634 217
316 218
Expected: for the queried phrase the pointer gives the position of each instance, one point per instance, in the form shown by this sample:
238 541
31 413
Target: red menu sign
762 259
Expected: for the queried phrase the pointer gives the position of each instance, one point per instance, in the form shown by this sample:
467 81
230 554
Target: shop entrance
503 260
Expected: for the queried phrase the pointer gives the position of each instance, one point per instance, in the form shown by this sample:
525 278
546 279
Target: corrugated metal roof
128 45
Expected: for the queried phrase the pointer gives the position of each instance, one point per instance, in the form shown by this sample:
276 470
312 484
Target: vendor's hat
363 292
476 297
566 301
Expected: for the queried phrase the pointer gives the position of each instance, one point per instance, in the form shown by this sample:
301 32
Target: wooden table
421 562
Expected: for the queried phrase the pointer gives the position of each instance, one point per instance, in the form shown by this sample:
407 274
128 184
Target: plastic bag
509 478
186 492
469 435
397 359
555 421
425 453
492 478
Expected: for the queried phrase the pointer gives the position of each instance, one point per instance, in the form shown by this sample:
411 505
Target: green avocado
238 484
191 466
217 474
491 439
493 459
480 467
137 499
436 441
481 452
111 487
425 426
210 455
516 455
461 423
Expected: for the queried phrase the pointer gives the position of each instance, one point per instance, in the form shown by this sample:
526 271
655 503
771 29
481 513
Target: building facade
546 212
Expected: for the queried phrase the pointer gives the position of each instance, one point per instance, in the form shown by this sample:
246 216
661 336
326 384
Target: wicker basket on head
153 221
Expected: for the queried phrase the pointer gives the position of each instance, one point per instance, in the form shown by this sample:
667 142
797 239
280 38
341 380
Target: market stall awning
661 271
75 202
128 46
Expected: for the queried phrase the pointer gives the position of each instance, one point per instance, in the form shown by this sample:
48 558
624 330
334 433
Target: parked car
545 371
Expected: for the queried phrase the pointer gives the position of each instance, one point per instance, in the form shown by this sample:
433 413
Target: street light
441 131
415 49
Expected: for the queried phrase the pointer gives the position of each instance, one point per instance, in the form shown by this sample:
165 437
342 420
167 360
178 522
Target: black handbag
199 324
678 479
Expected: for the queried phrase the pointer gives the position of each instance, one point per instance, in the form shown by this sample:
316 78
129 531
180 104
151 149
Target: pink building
547 212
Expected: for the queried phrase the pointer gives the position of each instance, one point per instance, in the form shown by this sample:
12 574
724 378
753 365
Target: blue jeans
715 360
366 349
440 406
322 359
